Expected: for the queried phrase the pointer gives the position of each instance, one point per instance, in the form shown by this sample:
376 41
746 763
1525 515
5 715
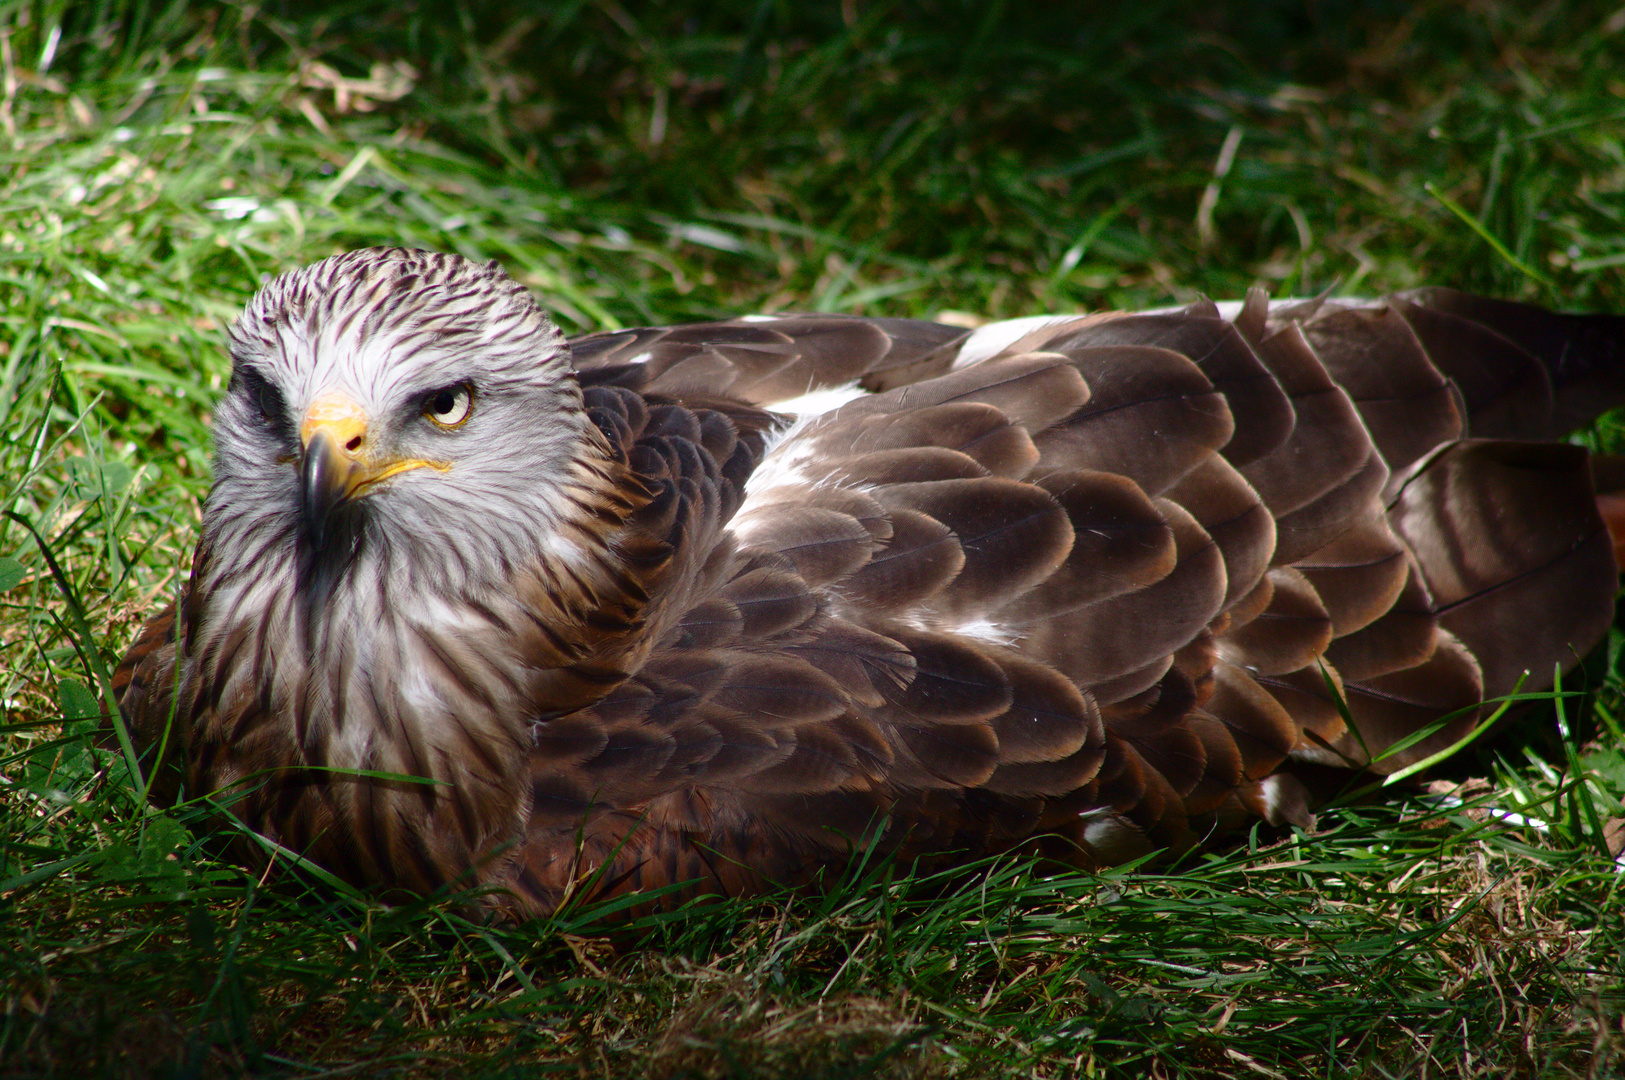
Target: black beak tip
321 488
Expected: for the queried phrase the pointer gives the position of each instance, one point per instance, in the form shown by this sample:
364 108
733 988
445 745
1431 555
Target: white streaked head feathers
417 559
381 321
388 329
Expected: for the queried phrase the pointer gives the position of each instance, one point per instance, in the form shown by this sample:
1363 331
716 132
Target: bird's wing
1114 577
773 358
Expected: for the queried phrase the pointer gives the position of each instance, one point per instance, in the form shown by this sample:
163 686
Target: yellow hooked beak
341 461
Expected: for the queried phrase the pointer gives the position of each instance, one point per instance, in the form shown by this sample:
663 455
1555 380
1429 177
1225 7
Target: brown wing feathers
1120 553
1094 585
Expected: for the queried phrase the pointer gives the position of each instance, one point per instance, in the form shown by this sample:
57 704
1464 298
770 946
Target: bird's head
396 405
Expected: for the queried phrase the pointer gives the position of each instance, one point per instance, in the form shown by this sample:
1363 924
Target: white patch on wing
1284 801
759 318
818 402
987 630
1271 795
994 338
911 617
788 461
1112 838
783 462
1229 309
640 358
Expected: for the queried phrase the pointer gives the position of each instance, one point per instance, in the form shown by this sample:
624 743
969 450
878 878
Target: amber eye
451 406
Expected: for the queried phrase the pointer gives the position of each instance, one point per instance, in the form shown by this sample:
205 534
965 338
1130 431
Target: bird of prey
720 604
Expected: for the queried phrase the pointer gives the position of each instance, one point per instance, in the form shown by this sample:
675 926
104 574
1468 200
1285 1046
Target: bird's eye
270 403
451 406
265 397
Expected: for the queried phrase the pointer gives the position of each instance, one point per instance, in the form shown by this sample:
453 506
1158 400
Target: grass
640 163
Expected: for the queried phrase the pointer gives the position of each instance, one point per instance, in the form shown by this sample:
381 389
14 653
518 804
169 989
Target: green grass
636 163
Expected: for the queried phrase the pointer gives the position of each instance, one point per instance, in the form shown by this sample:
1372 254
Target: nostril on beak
345 422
